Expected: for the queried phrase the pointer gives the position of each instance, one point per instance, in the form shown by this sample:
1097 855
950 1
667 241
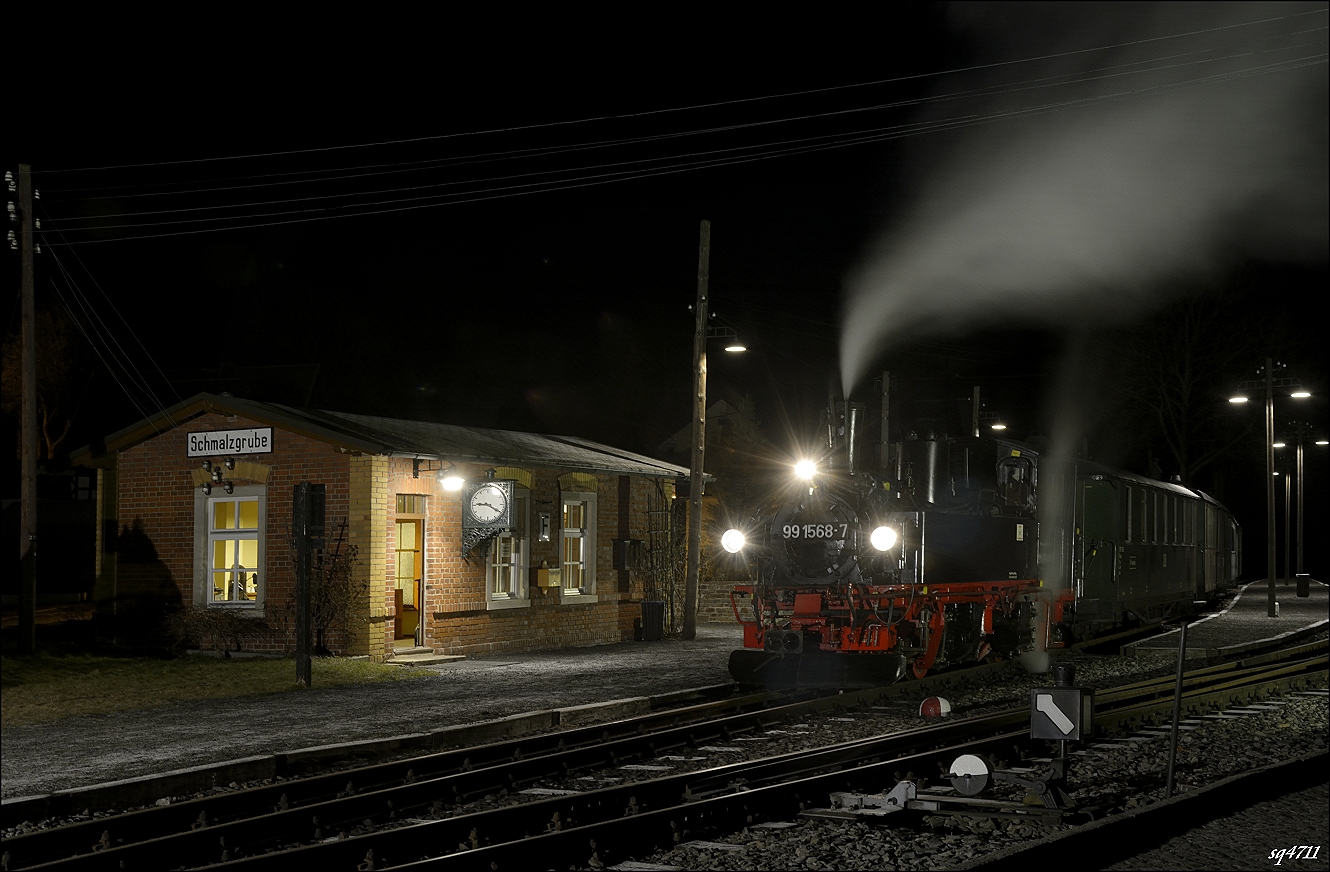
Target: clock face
488 503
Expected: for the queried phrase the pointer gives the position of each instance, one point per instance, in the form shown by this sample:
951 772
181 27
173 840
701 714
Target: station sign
1061 713
211 443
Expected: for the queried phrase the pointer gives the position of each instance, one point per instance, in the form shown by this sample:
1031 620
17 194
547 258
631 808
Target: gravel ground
1114 779
83 751
41 758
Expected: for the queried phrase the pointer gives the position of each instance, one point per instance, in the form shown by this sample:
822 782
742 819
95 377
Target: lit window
578 544
233 548
506 573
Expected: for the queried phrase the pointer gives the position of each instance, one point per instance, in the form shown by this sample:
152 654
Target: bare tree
1175 371
62 378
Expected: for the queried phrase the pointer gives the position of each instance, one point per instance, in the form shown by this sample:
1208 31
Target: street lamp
1268 382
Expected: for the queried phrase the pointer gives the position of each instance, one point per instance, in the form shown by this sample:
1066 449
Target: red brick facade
155 489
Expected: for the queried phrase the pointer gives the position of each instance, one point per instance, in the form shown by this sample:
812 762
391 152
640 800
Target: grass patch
48 688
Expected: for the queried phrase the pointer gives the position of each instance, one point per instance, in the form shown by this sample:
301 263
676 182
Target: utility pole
27 544
695 483
974 413
1270 604
1300 578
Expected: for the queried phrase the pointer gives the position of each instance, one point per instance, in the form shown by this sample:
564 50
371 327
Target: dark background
567 310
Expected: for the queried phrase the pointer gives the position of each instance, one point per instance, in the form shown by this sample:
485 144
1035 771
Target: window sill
578 599
509 603
237 607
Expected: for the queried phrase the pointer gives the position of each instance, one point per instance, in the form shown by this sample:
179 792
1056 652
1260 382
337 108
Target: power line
856 138
709 105
345 173
1033 84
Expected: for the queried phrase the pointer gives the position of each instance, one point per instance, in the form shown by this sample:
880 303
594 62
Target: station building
533 551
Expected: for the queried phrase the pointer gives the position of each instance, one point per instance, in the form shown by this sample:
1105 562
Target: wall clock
488 504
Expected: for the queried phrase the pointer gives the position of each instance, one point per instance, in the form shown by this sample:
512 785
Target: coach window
1126 513
229 547
506 574
578 545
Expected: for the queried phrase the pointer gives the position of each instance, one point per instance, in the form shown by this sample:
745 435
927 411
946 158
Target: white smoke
1081 214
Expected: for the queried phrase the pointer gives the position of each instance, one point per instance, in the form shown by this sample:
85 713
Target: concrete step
421 657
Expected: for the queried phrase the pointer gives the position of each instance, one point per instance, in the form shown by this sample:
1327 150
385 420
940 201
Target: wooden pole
695 486
27 540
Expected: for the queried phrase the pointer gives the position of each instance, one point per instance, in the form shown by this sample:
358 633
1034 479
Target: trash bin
1304 584
653 620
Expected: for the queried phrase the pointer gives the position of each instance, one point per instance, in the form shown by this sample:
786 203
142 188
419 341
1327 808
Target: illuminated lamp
732 541
1237 399
999 426
883 538
451 478
805 469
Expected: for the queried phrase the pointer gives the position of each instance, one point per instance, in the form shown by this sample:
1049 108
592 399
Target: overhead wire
325 176
605 178
105 338
707 105
120 315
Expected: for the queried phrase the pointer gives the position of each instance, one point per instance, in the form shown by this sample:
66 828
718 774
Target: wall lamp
451 478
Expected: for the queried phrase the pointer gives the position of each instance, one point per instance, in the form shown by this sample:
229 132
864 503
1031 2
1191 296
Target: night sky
504 229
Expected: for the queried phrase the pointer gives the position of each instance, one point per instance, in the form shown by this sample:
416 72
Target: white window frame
587 592
203 538
519 593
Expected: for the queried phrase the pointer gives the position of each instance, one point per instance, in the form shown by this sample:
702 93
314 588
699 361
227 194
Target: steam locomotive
968 549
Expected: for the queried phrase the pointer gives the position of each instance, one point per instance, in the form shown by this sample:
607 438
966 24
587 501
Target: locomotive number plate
814 531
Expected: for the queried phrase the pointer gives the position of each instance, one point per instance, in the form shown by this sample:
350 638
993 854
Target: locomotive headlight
883 538
732 541
805 469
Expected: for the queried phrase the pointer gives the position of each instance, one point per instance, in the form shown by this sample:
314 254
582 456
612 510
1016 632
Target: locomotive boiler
967 549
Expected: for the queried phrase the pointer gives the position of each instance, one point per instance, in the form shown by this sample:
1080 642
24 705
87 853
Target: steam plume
1161 159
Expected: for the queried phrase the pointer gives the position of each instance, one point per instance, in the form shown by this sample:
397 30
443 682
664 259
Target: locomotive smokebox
926 468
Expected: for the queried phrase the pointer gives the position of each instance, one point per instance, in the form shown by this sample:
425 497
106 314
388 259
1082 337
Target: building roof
395 437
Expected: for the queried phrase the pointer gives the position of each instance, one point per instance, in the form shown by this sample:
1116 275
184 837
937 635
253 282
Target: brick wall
460 622
155 493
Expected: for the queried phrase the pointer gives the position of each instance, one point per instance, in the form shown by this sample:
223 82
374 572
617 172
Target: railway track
422 809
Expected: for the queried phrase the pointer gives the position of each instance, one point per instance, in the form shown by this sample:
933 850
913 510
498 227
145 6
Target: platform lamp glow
1268 383
451 478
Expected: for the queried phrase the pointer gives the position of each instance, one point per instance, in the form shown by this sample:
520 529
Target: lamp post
1300 429
1268 383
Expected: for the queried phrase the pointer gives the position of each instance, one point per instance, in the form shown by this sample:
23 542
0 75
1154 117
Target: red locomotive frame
917 616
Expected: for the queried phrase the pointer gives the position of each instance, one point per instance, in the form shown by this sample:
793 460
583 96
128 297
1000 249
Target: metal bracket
478 538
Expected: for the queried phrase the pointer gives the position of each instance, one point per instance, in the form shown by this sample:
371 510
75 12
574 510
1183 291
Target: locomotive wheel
917 668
